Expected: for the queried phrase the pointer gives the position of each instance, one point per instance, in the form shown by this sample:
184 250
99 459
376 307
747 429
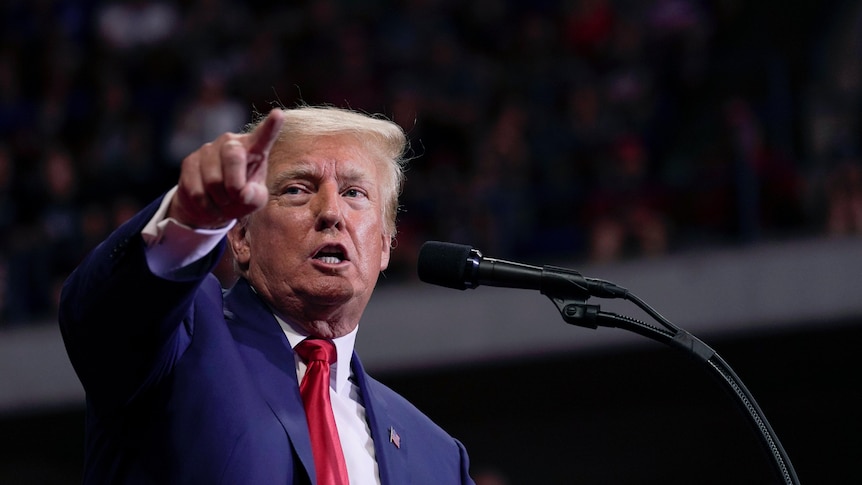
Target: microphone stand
564 287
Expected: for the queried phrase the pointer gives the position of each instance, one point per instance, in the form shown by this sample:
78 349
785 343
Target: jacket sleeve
466 479
123 326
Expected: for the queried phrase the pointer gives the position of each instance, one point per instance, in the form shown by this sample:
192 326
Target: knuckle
225 138
191 161
232 152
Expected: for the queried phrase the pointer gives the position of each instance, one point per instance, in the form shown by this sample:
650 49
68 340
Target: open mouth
330 255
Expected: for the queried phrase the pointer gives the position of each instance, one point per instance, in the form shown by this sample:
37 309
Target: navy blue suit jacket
187 386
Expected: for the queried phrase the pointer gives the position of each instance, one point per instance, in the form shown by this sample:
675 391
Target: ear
385 248
238 243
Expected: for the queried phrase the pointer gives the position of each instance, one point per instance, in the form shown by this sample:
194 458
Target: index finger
263 137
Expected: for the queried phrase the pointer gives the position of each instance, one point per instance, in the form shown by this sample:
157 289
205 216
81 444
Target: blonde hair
377 135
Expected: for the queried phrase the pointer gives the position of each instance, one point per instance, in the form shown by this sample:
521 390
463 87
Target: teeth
330 259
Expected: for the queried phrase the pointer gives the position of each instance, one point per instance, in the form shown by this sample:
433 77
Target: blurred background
704 154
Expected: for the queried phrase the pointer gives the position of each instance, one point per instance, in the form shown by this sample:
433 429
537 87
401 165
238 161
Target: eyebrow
310 171
299 171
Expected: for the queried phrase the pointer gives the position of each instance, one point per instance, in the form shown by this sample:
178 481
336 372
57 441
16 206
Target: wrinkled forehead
343 155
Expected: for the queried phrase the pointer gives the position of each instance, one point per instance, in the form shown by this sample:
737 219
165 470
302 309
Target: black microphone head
444 264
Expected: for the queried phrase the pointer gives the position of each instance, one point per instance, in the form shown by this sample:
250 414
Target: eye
293 190
354 192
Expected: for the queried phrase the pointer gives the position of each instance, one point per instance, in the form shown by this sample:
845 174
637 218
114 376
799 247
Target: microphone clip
566 290
577 312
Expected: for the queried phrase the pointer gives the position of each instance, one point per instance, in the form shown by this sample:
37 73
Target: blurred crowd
566 129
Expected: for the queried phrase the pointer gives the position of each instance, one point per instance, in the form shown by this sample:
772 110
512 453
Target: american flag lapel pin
394 438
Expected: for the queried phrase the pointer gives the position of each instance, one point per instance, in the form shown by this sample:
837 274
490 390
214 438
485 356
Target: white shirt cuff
173 248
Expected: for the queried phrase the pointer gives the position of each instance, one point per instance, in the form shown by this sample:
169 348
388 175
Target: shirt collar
343 345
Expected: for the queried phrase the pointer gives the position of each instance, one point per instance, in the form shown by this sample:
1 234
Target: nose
328 208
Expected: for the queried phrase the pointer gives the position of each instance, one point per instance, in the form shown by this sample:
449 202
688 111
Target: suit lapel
391 441
270 361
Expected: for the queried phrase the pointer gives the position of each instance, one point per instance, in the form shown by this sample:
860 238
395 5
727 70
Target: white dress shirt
174 251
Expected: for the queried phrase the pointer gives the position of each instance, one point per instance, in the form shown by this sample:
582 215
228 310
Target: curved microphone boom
461 267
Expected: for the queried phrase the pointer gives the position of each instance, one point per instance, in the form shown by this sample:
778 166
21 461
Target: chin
331 293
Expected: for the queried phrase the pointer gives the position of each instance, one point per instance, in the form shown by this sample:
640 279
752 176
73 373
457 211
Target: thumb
254 194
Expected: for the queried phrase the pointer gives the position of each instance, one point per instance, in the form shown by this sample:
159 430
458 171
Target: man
185 385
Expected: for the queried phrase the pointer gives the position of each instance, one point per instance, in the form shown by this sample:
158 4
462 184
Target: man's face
315 250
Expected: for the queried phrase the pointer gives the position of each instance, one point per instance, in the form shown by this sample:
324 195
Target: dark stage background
584 131
643 416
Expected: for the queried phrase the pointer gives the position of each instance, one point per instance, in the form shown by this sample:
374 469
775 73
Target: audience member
521 106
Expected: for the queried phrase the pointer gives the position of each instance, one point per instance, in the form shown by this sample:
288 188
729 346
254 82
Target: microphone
460 267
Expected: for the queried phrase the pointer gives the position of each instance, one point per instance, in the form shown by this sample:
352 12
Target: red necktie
325 445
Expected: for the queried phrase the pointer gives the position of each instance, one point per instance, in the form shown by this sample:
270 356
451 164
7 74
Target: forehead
341 155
